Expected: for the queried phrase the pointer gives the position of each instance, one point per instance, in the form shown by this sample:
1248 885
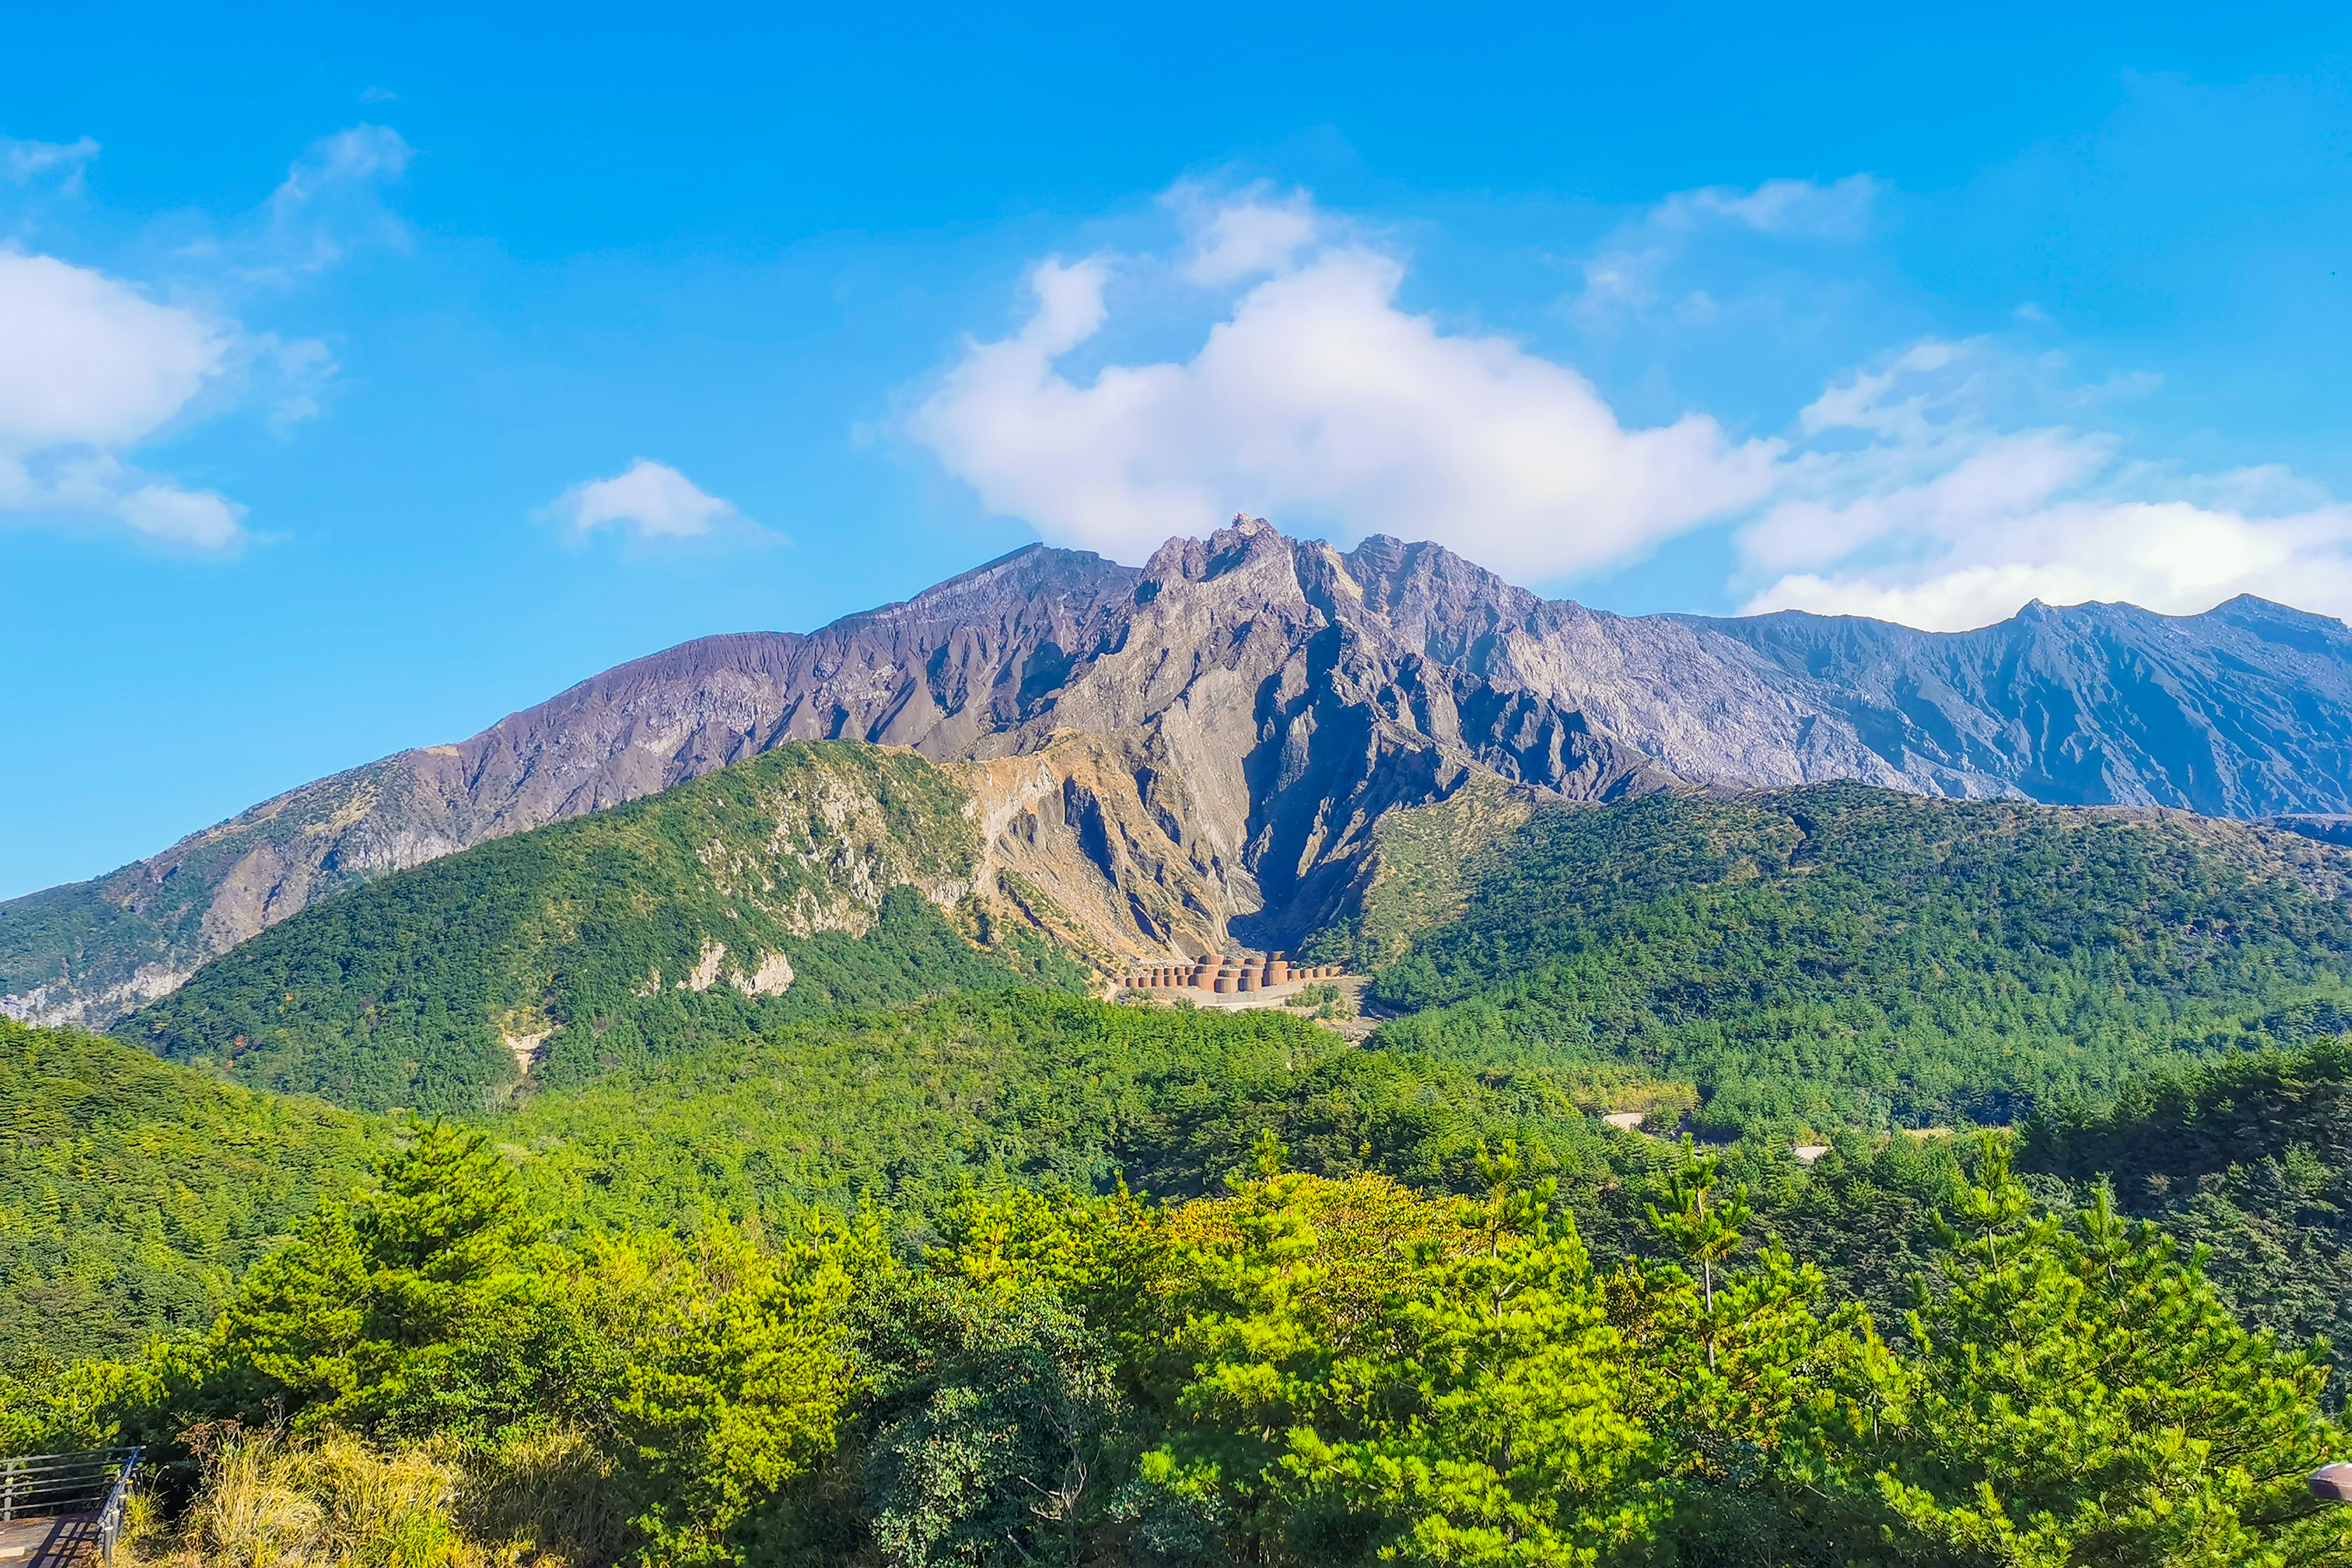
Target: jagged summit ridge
1250 705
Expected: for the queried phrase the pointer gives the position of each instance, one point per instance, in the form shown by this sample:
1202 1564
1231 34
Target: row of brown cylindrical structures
1225 976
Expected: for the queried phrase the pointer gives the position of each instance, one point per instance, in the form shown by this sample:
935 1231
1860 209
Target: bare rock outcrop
1194 753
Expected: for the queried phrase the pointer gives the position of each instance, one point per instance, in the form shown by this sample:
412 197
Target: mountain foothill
701 1117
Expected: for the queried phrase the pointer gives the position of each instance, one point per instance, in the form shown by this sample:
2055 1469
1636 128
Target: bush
262 1502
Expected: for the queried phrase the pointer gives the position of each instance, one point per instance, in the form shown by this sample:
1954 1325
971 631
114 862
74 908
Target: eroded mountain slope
812 876
1264 701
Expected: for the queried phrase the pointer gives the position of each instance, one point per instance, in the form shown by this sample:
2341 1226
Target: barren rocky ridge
1193 752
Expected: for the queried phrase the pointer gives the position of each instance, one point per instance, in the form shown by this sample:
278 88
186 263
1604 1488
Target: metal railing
60 1486
109 1513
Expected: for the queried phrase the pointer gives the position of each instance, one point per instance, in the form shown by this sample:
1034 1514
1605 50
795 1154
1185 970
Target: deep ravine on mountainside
1217 732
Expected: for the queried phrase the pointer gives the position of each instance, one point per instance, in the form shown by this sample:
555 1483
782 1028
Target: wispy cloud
298 376
1841 210
332 202
1629 274
22 162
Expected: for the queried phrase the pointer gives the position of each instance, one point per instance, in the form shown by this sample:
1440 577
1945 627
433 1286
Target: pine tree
2079 1395
1702 1235
1498 1433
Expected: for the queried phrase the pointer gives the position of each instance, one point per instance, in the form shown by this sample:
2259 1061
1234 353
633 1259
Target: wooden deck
70 1542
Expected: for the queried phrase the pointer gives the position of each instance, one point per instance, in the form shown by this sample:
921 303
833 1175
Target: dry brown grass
553 1500
332 1502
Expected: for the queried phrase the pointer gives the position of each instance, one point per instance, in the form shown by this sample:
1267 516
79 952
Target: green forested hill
1843 957
908 1105
609 1331
807 878
132 1193
766 1277
2250 1156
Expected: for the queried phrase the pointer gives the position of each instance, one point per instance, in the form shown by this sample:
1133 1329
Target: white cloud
332 200
92 365
1237 236
1318 400
300 373
651 500
1840 210
86 360
21 163
165 511
89 367
1943 484
97 486
2172 557
1942 519
1627 277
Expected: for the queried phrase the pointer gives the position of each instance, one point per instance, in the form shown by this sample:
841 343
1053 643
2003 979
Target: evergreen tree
2079 1395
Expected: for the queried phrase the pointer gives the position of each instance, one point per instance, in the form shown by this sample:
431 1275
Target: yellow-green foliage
1338 1372
732 1367
644 1389
1305 1371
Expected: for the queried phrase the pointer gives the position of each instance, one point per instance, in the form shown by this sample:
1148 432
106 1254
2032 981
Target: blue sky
365 377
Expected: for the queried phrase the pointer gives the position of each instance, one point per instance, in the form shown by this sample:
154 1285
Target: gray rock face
1270 699
2327 829
2244 711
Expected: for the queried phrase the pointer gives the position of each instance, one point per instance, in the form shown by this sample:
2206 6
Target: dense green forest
1847 957
1304 1370
2249 1157
907 1107
610 940
133 1193
136 1189
619 1332
923 1261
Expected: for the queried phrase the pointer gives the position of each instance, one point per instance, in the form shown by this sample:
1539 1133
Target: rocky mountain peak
1206 742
